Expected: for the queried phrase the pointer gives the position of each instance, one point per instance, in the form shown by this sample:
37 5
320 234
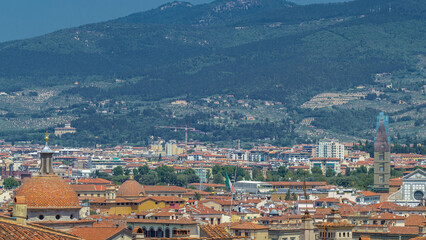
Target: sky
20 19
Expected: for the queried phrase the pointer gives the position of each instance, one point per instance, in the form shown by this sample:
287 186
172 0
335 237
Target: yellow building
252 230
59 131
131 198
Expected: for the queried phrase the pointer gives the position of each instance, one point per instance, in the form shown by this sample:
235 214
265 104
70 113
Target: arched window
151 232
159 233
167 233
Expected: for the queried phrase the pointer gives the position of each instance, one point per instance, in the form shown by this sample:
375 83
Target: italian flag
229 184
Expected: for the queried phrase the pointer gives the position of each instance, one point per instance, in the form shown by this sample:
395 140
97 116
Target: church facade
412 191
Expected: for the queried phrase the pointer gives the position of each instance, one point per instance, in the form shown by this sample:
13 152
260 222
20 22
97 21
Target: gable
416 175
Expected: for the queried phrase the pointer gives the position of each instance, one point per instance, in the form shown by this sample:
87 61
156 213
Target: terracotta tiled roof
12 230
95 181
368 193
404 230
149 188
48 191
215 232
88 187
384 205
96 233
130 188
387 216
248 225
202 210
414 220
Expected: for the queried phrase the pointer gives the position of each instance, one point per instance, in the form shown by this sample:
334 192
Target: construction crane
186 128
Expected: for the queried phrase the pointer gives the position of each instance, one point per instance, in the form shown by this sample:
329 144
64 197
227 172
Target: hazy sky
27 18
21 19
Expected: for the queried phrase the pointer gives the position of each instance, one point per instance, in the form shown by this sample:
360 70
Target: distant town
193 190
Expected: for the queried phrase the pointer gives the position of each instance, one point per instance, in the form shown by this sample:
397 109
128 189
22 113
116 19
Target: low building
253 187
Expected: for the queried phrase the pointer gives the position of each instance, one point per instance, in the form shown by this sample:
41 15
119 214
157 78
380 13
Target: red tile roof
48 191
12 230
96 233
248 226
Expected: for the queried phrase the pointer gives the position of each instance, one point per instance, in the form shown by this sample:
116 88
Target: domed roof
130 188
48 191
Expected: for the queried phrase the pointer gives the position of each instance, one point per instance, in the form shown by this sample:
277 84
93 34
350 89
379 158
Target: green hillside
259 49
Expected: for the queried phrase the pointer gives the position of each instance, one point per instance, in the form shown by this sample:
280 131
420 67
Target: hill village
192 190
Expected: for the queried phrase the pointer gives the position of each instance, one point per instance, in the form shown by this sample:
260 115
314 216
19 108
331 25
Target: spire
381 142
46 156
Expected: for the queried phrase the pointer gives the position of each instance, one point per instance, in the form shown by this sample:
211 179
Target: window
418 195
58 217
72 216
381 157
41 217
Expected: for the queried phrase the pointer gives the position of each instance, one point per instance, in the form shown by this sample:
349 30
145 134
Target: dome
48 191
130 188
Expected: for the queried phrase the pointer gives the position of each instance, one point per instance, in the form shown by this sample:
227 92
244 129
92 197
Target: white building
329 148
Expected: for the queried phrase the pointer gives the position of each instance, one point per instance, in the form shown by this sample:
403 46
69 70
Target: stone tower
381 156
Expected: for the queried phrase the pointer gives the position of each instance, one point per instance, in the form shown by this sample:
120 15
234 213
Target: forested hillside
269 50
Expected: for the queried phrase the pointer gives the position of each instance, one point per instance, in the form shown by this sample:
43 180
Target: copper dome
49 191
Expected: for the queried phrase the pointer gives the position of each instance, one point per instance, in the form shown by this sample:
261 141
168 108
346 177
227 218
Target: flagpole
230 212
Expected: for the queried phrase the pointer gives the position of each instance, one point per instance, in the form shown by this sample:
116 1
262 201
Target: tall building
381 155
329 148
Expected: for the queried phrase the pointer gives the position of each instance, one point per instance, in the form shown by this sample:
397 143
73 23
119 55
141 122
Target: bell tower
46 156
382 155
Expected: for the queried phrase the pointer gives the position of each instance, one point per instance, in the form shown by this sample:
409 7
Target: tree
166 174
348 172
149 179
316 170
143 170
294 197
10 183
117 171
257 174
282 171
288 195
218 179
208 189
182 180
329 173
189 171
104 175
197 196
